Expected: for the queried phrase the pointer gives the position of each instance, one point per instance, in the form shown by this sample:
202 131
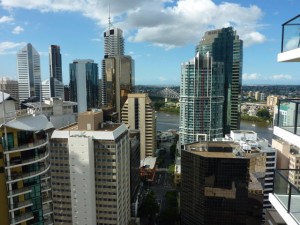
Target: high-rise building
84 84
225 47
55 69
257 95
29 72
224 182
58 88
118 82
201 100
113 42
286 139
91 172
138 114
25 186
9 86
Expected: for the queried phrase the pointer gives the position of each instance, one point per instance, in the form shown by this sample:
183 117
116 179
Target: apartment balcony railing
30 160
287 197
28 146
22 218
288 117
15 177
291 34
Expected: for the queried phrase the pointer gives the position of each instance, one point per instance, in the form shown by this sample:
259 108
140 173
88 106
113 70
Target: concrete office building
9 86
84 84
222 182
224 46
57 86
138 113
201 99
29 72
25 186
113 42
91 172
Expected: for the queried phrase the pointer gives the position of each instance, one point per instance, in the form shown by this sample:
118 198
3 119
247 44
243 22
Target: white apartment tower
91 172
29 72
138 114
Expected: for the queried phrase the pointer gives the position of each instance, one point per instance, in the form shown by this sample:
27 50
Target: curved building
25 190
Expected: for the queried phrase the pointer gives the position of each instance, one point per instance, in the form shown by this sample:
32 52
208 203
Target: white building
113 42
91 172
286 196
58 89
60 113
29 72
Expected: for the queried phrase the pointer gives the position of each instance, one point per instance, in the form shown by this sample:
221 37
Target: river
166 121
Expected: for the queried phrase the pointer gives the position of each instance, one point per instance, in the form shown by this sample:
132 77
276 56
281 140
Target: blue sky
159 34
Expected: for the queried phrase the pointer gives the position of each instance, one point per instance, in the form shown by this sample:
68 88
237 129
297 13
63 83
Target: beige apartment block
91 172
138 113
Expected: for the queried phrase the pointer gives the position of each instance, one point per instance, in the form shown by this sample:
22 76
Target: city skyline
78 30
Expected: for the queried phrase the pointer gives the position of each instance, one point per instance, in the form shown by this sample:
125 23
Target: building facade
52 83
286 139
25 186
9 86
84 84
138 113
91 172
117 81
225 47
222 183
201 100
55 69
113 42
29 72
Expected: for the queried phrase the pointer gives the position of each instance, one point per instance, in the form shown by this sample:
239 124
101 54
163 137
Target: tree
263 113
149 206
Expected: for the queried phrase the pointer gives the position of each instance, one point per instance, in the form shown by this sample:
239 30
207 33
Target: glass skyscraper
201 99
225 46
84 84
55 68
29 72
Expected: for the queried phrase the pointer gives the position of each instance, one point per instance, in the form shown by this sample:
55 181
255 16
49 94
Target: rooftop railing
287 193
291 34
288 117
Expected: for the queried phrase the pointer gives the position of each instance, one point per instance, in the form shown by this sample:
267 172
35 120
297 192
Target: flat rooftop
105 127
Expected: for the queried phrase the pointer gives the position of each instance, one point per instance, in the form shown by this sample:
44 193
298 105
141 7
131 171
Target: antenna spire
109 21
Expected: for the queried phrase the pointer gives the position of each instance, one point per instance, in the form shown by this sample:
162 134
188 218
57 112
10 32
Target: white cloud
6 19
97 39
292 43
181 22
8 47
18 30
281 77
252 76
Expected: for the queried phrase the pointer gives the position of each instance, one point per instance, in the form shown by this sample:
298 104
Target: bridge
166 93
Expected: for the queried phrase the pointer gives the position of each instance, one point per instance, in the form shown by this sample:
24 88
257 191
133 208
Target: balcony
20 205
30 160
290 41
21 176
21 218
287 122
19 191
28 146
286 197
